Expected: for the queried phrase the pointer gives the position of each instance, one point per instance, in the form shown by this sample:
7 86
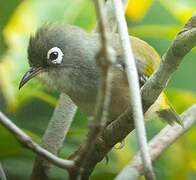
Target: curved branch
28 143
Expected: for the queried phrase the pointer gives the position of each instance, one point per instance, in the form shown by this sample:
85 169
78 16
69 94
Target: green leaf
5 13
9 147
154 31
181 99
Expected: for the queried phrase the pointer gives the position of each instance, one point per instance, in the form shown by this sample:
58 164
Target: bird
64 56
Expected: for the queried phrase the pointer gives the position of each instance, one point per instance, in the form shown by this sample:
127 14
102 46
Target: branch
110 18
159 144
121 127
2 173
104 60
54 135
135 97
28 143
182 44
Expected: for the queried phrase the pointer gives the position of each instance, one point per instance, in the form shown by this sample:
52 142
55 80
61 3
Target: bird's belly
88 109
114 110
119 100
85 102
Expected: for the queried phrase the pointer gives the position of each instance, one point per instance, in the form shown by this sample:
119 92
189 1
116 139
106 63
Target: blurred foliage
137 9
5 13
155 21
8 144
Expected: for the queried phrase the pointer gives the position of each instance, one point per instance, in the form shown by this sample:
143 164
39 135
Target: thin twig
2 173
28 143
104 60
110 18
159 144
135 97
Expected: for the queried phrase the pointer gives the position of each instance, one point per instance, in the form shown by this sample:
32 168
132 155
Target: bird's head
51 49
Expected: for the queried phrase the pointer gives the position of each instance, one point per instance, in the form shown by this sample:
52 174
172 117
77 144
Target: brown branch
121 127
134 90
159 144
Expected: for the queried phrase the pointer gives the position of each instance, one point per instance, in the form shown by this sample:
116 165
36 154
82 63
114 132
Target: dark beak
29 75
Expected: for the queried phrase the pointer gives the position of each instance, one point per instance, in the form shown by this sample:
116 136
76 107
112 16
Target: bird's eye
55 55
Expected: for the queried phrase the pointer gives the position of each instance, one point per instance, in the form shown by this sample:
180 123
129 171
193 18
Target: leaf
36 93
9 146
154 31
191 135
5 13
124 154
137 9
181 99
6 86
173 163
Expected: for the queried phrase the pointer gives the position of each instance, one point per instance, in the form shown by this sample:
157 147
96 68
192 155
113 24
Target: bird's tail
165 110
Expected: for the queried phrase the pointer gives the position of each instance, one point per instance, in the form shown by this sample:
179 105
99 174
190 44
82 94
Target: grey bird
64 57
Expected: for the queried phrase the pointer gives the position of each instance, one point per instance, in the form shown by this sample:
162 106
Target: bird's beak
34 71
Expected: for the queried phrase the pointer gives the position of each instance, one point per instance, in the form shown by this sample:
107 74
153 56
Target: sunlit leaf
191 135
6 85
171 164
154 31
181 99
136 9
124 154
40 94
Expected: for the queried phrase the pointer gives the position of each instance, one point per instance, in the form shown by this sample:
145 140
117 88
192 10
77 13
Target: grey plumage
77 74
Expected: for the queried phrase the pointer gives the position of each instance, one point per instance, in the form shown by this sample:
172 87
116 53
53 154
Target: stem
135 96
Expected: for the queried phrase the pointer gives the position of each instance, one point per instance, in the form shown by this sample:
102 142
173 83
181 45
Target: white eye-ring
55 55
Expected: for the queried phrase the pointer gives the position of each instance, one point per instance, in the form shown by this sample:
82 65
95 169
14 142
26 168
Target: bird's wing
143 68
